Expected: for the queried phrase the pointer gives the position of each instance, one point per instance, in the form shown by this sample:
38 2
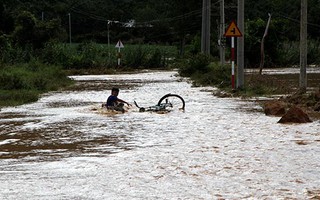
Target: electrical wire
175 18
296 20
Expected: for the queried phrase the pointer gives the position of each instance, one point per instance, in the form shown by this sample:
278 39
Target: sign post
119 45
232 31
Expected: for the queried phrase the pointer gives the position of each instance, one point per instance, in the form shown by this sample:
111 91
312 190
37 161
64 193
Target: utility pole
222 30
240 45
108 26
205 34
42 16
303 46
69 28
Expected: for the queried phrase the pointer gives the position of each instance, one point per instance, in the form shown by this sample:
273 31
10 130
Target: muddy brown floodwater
62 148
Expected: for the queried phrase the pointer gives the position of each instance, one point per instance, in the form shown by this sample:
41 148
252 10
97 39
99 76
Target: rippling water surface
60 148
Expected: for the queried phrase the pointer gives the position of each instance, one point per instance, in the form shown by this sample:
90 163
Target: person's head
115 91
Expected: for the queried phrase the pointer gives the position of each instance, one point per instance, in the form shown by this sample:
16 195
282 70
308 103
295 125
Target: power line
297 20
189 29
175 18
90 15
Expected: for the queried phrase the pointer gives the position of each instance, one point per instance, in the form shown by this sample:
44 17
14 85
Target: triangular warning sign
233 31
119 44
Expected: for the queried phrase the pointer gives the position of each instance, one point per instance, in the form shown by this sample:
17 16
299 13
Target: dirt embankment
287 83
309 102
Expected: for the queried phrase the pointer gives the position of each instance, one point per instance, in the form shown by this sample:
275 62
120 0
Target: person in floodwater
114 103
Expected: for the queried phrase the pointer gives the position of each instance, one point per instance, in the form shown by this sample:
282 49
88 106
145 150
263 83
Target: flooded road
59 148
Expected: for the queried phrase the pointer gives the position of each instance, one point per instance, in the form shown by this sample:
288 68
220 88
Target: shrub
17 97
58 54
136 57
156 59
12 80
203 72
33 77
216 75
289 53
91 55
197 63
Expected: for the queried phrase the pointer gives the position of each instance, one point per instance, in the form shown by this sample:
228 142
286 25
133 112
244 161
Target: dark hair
115 89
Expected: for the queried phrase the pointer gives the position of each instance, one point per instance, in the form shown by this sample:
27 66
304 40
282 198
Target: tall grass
92 55
289 54
23 83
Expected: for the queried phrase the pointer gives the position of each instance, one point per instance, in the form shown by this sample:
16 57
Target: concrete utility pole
222 30
69 27
303 45
240 45
205 34
108 26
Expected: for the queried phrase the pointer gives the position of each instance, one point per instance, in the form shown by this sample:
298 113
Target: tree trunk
262 45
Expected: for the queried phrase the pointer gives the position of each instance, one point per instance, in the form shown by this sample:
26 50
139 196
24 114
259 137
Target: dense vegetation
37 32
29 25
24 83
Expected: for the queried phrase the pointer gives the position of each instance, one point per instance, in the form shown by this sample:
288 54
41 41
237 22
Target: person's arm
122 101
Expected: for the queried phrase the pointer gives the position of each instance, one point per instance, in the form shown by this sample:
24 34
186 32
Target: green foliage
25 27
91 55
81 56
253 37
30 31
47 31
5 49
197 63
88 55
289 53
314 52
11 53
166 22
216 75
204 72
136 57
156 59
33 75
195 45
56 53
147 56
31 79
17 97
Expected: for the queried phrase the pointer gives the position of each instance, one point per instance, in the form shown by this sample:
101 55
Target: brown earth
287 87
309 102
295 115
283 90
